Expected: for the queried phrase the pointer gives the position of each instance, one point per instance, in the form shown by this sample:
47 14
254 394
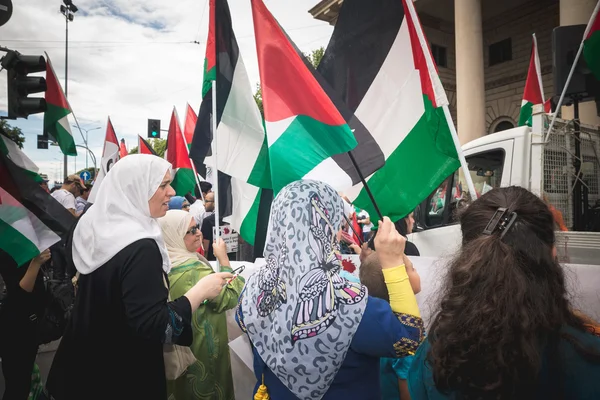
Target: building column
577 12
470 83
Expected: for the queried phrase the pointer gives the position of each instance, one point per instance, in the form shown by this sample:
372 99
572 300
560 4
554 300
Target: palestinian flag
144 147
379 62
242 151
177 154
534 88
123 149
30 219
17 156
56 123
190 124
304 128
110 155
591 44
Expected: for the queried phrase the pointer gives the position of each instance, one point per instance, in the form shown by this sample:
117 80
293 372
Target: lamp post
68 10
86 140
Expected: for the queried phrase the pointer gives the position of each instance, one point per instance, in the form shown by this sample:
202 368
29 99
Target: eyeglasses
185 206
194 229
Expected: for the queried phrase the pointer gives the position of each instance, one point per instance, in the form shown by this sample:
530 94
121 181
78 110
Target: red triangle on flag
177 152
190 124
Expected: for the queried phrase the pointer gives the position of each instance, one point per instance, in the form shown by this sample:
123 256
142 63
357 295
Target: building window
500 51
503 126
440 55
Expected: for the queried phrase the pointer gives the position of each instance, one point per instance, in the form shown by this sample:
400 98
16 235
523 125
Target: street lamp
86 140
68 10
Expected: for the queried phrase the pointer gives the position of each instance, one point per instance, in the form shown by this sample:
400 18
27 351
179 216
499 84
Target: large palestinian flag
30 219
12 151
56 123
177 154
243 163
304 127
534 88
591 44
379 62
110 155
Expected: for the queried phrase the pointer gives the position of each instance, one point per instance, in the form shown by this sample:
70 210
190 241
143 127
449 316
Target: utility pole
68 10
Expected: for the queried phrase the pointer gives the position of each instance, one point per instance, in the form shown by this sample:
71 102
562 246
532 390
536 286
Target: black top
19 303
113 345
207 232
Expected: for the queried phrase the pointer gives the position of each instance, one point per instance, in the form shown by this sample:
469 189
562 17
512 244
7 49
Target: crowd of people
503 327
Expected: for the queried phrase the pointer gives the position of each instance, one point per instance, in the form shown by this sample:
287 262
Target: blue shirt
358 377
581 378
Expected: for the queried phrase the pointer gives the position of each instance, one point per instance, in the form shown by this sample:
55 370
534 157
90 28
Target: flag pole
366 186
360 241
564 92
193 166
461 155
215 165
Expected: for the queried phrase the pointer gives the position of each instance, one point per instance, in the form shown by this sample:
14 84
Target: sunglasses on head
194 229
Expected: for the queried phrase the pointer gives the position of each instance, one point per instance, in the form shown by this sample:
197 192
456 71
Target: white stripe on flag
277 128
329 171
17 156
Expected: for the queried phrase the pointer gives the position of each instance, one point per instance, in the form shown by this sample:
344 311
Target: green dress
209 378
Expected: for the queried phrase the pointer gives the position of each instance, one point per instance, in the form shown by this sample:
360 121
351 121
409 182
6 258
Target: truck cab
519 157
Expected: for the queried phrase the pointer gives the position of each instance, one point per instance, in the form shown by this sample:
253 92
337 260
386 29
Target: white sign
229 236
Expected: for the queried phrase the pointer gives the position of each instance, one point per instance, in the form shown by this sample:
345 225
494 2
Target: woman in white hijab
210 376
113 345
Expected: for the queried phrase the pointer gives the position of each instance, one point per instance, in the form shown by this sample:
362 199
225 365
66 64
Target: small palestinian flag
177 154
110 155
534 88
591 44
144 147
30 219
56 123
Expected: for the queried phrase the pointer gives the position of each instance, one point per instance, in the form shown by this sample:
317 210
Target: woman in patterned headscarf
314 334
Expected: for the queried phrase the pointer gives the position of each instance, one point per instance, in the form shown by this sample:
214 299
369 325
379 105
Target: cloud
133 60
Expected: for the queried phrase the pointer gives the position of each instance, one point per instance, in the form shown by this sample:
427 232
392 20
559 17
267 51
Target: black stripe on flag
362 38
28 192
150 149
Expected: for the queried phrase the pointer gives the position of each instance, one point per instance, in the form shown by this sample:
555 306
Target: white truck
548 164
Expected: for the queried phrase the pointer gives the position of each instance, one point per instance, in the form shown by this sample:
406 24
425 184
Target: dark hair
205 187
504 301
371 275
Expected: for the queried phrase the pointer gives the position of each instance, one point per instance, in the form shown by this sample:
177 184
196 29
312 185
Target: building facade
482 49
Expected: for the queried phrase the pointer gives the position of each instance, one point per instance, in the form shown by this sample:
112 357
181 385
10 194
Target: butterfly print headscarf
299 313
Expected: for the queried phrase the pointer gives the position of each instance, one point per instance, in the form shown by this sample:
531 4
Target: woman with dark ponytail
504 328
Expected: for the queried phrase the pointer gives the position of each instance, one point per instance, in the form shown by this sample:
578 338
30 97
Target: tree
14 133
314 58
134 150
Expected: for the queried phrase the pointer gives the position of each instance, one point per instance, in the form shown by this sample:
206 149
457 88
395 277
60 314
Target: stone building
482 49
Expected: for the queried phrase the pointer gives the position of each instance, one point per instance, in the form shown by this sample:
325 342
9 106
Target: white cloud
133 60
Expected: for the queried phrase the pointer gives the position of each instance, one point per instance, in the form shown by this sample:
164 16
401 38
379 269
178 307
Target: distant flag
591 44
177 154
534 88
379 61
30 219
56 123
110 155
144 147
190 124
123 149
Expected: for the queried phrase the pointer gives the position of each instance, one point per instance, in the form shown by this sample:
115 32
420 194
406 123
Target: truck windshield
486 171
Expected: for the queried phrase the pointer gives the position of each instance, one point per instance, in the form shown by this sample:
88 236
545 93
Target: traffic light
154 128
20 85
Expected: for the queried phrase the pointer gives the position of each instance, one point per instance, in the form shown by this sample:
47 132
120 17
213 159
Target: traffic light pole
65 174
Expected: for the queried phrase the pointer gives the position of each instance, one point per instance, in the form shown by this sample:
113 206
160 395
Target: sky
133 60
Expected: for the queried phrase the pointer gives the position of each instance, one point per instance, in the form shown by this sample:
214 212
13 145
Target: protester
179 203
394 371
314 334
70 188
505 328
208 225
82 200
210 377
113 345
405 226
44 185
19 312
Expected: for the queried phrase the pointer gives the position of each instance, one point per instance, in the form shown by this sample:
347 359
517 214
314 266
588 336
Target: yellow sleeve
402 298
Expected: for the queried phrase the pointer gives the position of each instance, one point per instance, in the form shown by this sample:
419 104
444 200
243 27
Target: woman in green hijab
209 378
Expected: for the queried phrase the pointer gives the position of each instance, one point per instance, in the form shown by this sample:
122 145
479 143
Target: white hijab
174 227
120 215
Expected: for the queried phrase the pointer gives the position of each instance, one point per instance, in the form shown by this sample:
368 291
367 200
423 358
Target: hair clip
501 221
